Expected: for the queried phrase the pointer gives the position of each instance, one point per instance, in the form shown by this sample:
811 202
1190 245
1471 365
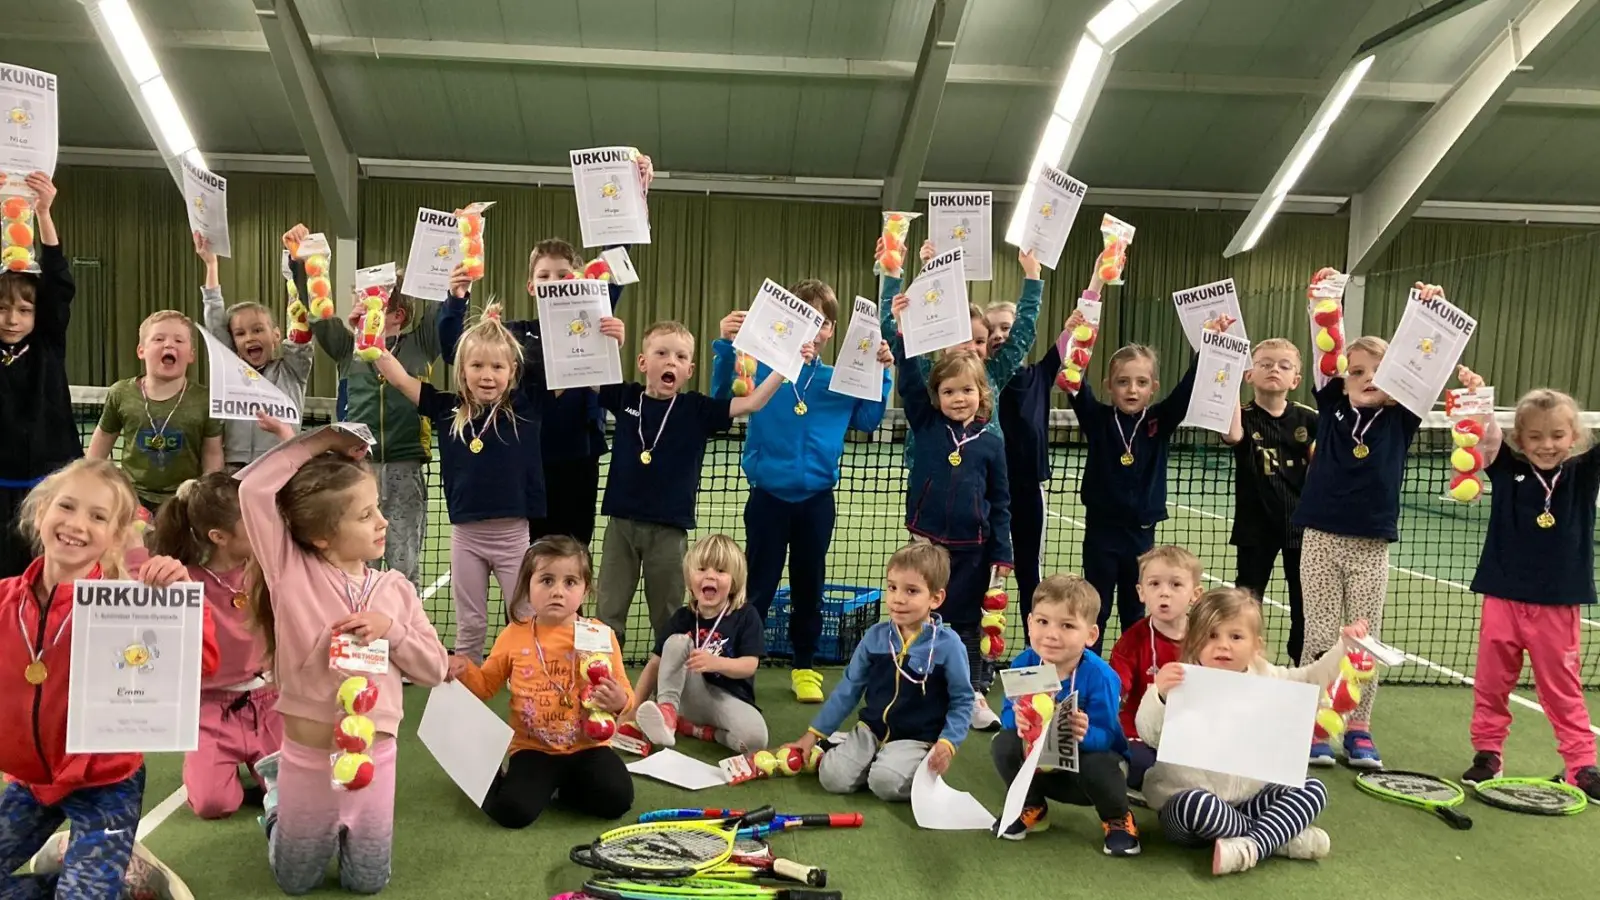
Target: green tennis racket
1429 792
1535 796
605 888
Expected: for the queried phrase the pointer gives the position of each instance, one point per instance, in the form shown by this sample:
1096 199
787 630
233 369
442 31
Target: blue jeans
104 822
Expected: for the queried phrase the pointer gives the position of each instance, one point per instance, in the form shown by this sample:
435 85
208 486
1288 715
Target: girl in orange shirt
563 719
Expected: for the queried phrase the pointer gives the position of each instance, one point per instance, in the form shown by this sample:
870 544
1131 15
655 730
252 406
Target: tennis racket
780 821
604 888
1429 792
1536 796
750 860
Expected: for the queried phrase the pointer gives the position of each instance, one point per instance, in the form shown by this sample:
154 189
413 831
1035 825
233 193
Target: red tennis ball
1085 335
995 599
600 726
353 771
14 208
1328 365
1466 459
791 761
1327 313
596 668
1079 356
354 734
358 695
1465 488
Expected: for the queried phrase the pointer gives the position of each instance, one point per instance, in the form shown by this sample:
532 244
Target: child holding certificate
80 520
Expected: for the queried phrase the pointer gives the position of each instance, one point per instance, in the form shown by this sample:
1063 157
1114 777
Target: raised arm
213 308
395 373
868 414
1171 409
723 355
755 400
998 495
913 386
1493 438
1009 358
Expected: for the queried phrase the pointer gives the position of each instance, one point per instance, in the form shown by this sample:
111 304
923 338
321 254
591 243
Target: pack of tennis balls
16 228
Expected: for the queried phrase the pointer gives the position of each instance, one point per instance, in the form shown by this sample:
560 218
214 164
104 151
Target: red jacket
1139 652
33 744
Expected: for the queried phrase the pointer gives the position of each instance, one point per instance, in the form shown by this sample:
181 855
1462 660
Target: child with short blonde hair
1536 574
702 673
1245 821
1169 582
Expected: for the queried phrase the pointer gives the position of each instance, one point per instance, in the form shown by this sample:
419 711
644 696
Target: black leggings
570 489
1255 570
594 782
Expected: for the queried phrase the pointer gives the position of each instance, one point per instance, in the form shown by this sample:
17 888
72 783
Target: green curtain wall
1533 289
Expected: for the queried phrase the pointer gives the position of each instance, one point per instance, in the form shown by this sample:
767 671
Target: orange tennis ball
15 259
19 233
470 225
471 247
14 208
320 288
745 365
316 266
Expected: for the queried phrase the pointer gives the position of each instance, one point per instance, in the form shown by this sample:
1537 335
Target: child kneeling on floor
1061 627
702 672
913 672
1245 820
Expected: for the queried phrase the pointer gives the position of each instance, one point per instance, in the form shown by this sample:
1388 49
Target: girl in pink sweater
310 508
239 721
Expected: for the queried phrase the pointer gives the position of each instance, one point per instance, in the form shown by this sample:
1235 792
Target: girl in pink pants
1536 573
239 721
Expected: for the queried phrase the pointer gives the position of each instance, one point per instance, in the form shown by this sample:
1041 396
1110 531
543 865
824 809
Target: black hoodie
40 435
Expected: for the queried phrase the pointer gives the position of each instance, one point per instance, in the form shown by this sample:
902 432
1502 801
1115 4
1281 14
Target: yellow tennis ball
745 365
1465 488
994 620
814 758
1466 459
1045 705
764 762
1331 722
1325 341
1083 334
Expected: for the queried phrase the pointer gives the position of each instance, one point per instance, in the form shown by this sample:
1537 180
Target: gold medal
476 446
644 457
955 458
800 408
1546 520
36 673
1361 451
1127 459
241 600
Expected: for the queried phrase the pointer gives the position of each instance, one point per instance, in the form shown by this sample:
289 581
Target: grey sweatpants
739 725
657 550
403 500
476 549
858 761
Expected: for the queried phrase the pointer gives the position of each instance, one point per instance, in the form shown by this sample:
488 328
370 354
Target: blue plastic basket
847 612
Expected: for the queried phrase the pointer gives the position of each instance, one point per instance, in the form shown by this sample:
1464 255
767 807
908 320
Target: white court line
152 820
1421 661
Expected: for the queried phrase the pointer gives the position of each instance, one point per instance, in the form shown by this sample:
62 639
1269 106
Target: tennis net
1430 613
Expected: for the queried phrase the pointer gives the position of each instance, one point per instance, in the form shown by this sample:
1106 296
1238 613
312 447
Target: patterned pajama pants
1344 579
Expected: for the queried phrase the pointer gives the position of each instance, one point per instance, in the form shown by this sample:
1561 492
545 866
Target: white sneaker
1311 843
984 718
1233 855
658 722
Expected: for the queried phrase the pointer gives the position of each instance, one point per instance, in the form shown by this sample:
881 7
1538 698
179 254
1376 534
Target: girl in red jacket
79 519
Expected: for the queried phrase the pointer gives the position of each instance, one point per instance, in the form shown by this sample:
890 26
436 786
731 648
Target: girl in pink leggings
310 509
239 721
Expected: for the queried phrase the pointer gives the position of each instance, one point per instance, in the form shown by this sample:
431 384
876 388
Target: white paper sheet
1060 745
576 354
135 664
775 328
238 391
466 738
1017 793
435 251
1238 724
1424 351
857 372
964 219
1224 358
676 769
939 807
622 271
28 121
940 315
1030 680
205 195
612 207
1057 197
1200 307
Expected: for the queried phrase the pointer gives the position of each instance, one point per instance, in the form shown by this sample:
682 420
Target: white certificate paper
679 770
857 372
238 391
939 315
28 129
1423 352
576 354
612 208
1224 358
1056 199
778 324
205 194
1238 724
1209 306
466 738
135 681
939 807
1060 746
435 251
964 219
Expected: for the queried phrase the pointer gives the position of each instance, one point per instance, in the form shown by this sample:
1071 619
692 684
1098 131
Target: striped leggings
1270 818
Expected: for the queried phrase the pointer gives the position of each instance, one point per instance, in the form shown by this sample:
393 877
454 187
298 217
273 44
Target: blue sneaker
1321 754
1360 752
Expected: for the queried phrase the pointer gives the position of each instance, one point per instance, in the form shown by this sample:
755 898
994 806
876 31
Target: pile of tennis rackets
717 853
1534 796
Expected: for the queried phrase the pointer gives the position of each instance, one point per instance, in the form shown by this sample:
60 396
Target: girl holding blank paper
1245 820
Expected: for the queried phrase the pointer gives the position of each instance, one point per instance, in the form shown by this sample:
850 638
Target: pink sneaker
659 722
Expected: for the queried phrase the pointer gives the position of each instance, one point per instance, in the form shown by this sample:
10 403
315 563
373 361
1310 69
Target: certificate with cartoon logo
777 326
857 371
576 354
939 315
1219 376
1423 354
612 208
134 681
964 219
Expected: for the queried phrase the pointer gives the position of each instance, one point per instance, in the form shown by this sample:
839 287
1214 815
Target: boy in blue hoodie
1060 628
791 456
913 672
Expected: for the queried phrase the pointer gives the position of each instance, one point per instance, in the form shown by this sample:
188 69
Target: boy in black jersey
1272 440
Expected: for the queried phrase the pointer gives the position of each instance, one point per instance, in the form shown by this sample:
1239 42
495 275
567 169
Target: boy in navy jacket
1060 628
912 670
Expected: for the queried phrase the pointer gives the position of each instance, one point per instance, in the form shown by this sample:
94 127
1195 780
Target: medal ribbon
905 649
1359 432
1127 440
1549 486
962 442
34 655
162 431
800 392
660 428
699 645
566 693
358 601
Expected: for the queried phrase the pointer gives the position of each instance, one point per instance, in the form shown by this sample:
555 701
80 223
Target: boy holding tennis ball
1061 627
912 670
